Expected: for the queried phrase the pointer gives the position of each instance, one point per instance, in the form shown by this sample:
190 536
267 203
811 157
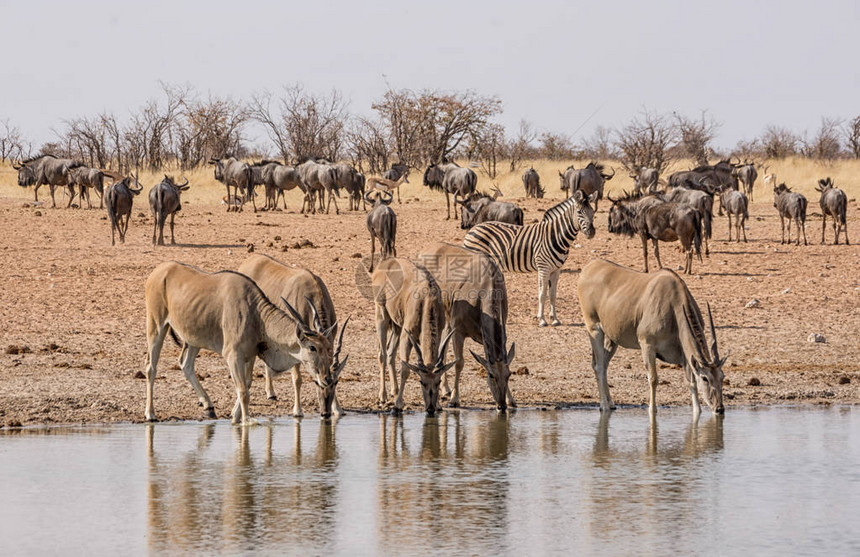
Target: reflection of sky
565 66
775 480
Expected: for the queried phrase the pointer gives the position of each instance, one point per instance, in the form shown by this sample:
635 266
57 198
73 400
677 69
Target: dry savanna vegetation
73 307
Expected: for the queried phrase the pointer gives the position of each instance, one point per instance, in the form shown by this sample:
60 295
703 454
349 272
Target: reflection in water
759 481
244 501
450 492
669 490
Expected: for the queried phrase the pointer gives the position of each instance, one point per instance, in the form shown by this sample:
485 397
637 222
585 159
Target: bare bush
852 137
431 126
209 128
490 148
12 144
778 142
521 147
599 146
555 146
368 145
303 125
695 137
645 142
825 144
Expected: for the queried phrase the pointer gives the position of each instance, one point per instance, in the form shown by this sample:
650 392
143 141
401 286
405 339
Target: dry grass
800 174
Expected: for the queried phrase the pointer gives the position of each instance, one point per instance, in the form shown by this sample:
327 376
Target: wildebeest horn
390 197
456 200
17 166
183 185
714 349
417 348
609 176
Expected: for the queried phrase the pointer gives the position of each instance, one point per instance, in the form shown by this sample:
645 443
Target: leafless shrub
645 142
521 147
303 125
368 145
824 145
852 137
490 148
778 142
555 146
431 125
695 136
599 146
12 144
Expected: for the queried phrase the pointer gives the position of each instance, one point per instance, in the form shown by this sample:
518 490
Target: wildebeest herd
285 316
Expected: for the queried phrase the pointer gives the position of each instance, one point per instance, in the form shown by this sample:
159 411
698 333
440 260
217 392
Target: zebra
541 247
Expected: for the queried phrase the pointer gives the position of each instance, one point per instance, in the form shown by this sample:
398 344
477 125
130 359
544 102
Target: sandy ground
73 336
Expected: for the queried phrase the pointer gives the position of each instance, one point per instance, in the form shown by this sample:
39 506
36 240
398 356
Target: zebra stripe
541 247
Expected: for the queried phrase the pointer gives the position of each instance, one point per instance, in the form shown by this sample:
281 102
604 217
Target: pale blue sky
553 63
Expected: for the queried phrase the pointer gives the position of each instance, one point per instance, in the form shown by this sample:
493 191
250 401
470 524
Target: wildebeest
409 314
309 296
657 314
531 183
476 307
86 178
746 175
278 179
164 201
227 313
792 206
590 179
697 199
452 179
320 178
346 178
540 247
235 174
119 198
645 180
46 170
481 207
394 173
650 218
834 203
357 192
736 204
382 224
258 171
715 178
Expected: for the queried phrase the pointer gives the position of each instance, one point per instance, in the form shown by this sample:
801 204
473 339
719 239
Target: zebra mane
558 209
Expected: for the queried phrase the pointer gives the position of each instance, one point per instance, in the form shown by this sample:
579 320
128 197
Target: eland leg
649 356
297 391
186 360
457 341
155 339
602 350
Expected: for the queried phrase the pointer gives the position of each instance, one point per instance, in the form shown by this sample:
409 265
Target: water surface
766 481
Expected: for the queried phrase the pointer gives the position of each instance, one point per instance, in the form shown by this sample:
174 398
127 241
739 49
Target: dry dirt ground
73 312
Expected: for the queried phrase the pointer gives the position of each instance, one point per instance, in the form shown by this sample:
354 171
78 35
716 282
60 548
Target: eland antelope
656 314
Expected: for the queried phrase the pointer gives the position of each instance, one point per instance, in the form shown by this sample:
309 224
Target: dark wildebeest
588 180
736 204
346 177
382 224
834 203
86 178
531 183
716 177
358 189
746 175
452 179
653 219
645 180
792 206
46 170
258 179
277 179
119 198
163 201
697 199
481 207
319 178
394 173
235 174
